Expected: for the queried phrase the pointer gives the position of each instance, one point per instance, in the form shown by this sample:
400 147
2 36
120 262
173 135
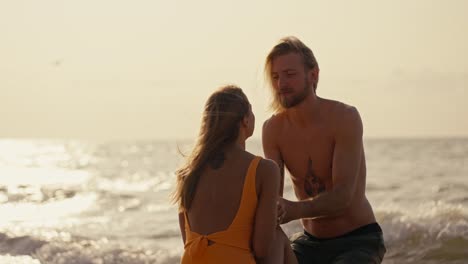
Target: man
320 143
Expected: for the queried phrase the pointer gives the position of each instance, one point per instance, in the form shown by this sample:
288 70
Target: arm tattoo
312 184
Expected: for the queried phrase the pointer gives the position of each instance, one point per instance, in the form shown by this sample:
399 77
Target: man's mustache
285 90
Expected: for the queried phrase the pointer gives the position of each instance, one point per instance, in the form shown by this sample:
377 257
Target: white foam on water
28 249
11 176
158 183
124 185
102 252
7 259
432 232
427 222
48 212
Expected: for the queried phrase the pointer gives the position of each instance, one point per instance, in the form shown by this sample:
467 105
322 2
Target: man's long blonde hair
220 126
285 46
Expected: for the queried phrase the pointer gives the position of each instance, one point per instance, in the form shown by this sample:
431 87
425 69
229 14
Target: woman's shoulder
267 164
265 167
268 176
268 168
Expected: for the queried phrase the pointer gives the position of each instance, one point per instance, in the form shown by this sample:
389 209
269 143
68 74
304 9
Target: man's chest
308 153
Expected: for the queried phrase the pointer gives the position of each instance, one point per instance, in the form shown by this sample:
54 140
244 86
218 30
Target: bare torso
307 152
218 194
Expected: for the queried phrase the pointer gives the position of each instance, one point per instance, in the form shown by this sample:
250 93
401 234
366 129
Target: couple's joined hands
284 209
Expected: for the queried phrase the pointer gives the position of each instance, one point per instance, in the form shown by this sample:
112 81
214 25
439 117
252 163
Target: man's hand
281 211
286 211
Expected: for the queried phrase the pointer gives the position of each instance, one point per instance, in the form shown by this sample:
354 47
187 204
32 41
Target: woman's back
218 194
219 224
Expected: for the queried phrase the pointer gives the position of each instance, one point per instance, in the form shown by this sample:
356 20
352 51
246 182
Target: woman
227 196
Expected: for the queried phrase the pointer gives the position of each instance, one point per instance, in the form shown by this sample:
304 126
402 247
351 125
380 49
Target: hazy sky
143 69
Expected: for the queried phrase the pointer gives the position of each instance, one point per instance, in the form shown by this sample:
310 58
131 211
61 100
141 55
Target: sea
108 202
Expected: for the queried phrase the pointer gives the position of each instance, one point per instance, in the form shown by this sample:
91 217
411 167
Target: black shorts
363 245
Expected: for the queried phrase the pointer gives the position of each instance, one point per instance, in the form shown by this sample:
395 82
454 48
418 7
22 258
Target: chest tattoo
312 184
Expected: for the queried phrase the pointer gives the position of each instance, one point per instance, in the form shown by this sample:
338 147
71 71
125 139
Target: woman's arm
268 178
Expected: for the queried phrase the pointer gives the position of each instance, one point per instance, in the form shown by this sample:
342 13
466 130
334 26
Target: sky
139 70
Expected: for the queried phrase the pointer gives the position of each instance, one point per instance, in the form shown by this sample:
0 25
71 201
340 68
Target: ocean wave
45 212
434 221
42 176
120 185
101 252
434 232
35 194
7 259
78 251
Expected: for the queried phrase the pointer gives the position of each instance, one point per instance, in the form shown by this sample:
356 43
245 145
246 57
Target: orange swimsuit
232 245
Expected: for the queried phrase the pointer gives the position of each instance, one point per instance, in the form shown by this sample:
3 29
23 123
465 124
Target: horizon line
187 139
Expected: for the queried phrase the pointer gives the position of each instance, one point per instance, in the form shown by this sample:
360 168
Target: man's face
289 79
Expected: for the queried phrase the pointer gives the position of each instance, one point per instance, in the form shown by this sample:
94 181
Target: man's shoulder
343 116
341 111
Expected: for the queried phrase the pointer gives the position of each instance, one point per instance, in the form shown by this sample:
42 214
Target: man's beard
297 98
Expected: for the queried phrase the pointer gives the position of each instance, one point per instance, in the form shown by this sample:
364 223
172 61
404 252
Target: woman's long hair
220 126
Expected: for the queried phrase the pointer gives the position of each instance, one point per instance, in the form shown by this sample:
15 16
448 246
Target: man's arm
271 149
347 158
